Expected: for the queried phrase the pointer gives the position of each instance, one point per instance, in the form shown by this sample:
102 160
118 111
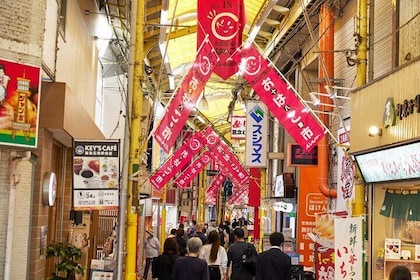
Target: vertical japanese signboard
19 95
346 173
349 248
96 174
257 134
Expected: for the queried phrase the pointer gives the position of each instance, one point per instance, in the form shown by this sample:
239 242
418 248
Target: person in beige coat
151 247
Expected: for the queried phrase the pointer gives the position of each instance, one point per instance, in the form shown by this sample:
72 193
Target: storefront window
403 210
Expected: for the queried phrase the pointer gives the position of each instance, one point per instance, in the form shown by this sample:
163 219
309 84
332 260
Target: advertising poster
96 174
224 23
311 203
19 95
324 244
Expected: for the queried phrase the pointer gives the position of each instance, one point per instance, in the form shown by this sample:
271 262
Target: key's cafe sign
400 110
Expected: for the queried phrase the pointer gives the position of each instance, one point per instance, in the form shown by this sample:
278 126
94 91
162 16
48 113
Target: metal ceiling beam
295 13
183 32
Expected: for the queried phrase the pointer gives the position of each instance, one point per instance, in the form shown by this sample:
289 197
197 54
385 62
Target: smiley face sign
224 26
223 23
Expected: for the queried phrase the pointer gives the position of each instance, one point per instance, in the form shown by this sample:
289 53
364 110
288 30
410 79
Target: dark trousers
146 267
214 272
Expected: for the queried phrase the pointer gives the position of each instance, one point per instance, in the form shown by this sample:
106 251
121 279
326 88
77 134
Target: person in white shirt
215 256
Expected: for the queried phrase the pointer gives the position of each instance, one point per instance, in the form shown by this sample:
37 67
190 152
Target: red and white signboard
280 97
186 96
223 22
238 128
177 161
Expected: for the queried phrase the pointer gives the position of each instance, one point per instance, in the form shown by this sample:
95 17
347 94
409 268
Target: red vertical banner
186 96
324 262
223 21
279 97
254 195
254 198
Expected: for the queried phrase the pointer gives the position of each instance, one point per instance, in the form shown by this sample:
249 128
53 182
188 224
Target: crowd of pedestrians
211 252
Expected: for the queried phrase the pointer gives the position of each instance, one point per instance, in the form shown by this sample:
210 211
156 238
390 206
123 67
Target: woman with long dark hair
164 264
182 243
215 256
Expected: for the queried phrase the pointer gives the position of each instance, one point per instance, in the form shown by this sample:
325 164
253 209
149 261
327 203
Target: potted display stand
66 266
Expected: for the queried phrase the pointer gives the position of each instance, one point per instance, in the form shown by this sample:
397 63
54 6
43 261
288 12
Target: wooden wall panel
368 106
382 38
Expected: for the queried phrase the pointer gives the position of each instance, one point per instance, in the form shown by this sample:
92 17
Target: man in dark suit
273 264
235 256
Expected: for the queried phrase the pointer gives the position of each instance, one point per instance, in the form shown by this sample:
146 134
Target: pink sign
279 97
225 157
223 22
215 185
177 161
229 160
186 96
239 192
192 171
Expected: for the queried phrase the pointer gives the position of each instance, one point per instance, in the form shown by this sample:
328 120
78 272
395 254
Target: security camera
348 53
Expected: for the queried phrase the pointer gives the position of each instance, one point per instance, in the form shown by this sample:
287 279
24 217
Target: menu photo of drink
96 174
392 248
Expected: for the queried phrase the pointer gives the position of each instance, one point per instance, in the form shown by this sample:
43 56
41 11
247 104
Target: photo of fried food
111 184
324 229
